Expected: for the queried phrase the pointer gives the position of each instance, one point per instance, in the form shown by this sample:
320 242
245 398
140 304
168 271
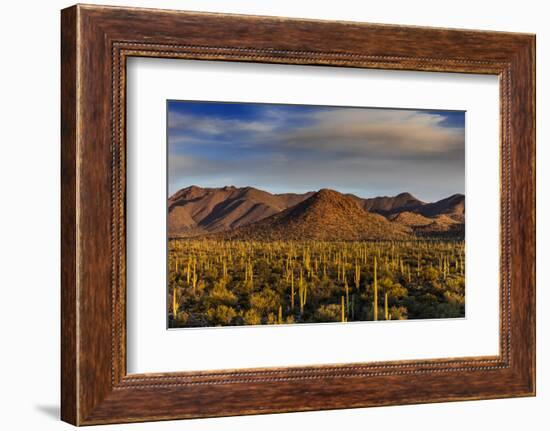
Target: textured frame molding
96 41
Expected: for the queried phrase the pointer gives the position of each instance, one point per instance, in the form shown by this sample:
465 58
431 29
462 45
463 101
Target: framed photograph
267 215
290 244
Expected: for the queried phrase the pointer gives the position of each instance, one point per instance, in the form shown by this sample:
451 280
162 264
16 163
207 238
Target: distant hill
409 218
249 212
453 207
391 204
439 226
327 215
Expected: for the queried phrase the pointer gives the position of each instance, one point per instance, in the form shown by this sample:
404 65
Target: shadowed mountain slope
391 204
195 210
453 207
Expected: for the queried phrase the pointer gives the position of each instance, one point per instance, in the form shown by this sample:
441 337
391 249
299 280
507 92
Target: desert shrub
221 315
398 313
252 317
271 319
397 291
265 301
181 319
329 313
430 274
220 295
454 298
449 310
455 284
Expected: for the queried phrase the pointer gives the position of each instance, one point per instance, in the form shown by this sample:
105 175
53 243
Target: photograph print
287 214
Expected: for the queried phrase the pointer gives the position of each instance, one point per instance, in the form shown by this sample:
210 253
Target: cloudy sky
296 148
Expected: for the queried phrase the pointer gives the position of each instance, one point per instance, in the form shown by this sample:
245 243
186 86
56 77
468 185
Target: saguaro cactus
357 277
195 279
375 302
250 273
174 303
386 306
347 294
302 291
292 290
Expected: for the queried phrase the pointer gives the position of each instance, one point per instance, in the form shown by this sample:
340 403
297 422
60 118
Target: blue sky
298 148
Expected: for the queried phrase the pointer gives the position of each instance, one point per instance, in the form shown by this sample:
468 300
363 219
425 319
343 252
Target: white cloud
214 126
378 133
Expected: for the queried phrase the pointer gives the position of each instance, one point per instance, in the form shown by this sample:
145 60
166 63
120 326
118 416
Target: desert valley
244 256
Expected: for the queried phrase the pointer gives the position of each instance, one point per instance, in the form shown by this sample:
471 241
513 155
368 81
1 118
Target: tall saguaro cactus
386 314
174 303
195 279
375 302
292 291
346 286
357 277
302 291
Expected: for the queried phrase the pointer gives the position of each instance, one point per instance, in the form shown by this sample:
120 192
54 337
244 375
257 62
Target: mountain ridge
197 211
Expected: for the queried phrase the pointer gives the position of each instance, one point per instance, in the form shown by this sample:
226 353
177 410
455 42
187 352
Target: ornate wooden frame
96 41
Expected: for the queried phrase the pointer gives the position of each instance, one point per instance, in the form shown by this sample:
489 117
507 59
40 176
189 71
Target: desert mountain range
249 213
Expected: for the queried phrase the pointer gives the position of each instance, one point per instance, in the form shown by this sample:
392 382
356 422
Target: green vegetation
221 283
